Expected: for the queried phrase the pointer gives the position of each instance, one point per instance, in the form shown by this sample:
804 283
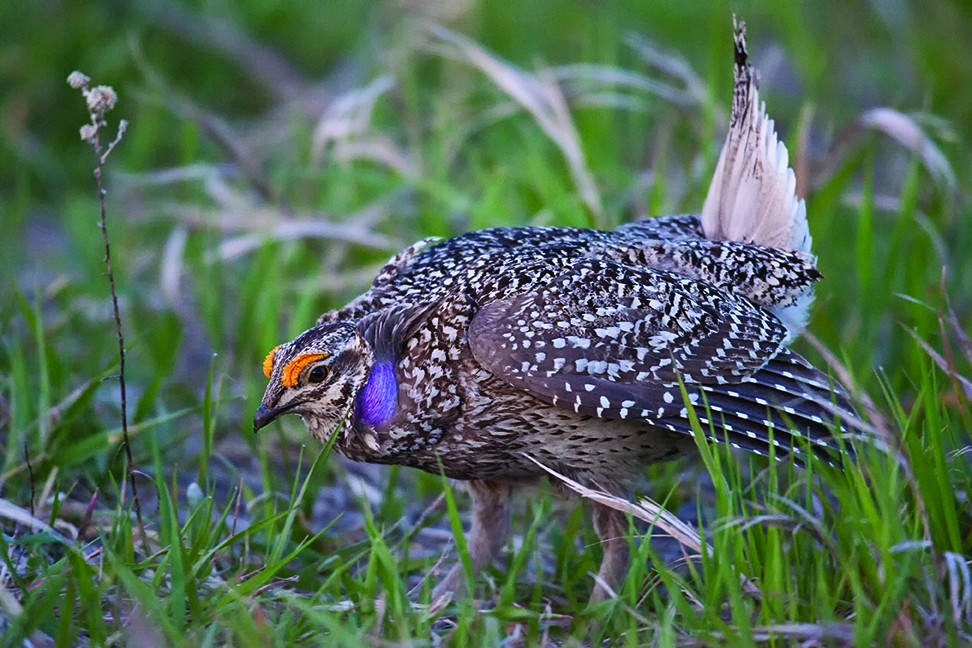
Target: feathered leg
612 529
488 533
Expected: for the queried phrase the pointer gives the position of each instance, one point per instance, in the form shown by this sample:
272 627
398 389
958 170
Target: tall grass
253 200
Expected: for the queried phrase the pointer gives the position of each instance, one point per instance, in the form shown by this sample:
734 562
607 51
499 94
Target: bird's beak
265 416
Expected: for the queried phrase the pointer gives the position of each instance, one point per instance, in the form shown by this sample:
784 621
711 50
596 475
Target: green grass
263 540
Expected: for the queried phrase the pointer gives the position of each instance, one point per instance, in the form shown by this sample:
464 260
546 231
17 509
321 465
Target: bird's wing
610 340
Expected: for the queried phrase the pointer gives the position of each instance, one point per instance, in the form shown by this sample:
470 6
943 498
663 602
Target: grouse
583 350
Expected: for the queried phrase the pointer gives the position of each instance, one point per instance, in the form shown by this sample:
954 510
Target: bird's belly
505 436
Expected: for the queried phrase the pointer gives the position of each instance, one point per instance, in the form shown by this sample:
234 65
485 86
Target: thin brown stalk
121 343
100 100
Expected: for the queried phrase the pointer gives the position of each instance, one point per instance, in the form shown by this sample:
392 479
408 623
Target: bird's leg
488 533
612 529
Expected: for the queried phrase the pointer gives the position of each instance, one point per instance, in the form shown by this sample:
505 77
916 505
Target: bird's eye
317 374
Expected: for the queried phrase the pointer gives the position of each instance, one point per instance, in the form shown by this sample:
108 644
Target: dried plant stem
100 100
121 345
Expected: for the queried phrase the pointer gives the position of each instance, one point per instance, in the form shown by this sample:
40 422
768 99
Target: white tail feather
752 198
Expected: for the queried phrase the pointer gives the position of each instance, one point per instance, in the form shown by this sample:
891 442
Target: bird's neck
383 333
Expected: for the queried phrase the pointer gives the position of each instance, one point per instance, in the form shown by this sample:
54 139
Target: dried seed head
88 132
78 80
100 99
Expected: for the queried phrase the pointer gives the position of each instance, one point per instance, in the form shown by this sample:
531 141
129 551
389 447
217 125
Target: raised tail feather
752 198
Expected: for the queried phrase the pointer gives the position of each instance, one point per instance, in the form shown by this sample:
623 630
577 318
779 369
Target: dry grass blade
650 512
261 223
904 129
645 509
213 125
694 92
588 84
346 124
881 428
947 361
802 634
943 364
171 266
802 521
12 512
810 634
226 138
174 175
337 283
299 229
963 340
540 96
349 114
237 212
959 586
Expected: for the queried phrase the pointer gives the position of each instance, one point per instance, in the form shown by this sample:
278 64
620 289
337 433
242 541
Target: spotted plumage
582 349
461 346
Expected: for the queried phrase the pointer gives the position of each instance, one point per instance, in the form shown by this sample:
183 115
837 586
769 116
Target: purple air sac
376 402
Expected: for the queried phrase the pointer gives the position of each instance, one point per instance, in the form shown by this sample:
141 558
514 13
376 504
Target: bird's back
568 345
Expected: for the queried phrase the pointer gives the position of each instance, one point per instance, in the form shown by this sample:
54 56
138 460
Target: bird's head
317 376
